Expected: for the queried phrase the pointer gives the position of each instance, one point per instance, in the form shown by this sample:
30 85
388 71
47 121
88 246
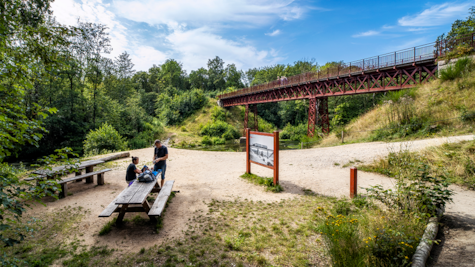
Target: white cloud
185 41
68 12
436 15
274 33
145 57
203 12
199 45
366 34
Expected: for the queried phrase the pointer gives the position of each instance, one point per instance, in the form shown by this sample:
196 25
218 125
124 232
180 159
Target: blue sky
256 33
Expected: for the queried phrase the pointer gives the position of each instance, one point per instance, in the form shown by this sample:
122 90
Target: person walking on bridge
160 156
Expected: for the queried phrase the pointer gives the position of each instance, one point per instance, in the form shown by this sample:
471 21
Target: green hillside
189 131
442 107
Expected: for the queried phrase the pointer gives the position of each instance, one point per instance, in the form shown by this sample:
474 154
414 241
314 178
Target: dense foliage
103 140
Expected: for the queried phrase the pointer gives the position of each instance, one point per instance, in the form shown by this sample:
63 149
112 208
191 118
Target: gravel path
205 175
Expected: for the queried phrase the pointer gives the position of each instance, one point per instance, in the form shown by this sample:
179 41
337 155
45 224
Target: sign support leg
248 161
276 157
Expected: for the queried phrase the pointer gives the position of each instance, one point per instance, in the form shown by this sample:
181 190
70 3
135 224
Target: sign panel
261 149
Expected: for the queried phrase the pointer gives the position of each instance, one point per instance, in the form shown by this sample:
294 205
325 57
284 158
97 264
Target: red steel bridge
392 71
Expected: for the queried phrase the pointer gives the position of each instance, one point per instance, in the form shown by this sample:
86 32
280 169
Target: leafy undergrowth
268 182
456 161
438 108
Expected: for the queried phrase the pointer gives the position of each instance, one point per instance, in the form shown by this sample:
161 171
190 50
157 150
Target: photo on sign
261 149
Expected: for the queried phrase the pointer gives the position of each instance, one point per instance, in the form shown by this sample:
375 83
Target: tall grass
457 70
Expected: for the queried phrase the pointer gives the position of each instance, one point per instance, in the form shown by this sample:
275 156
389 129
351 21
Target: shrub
219 129
416 191
106 138
461 67
218 141
206 140
218 114
294 133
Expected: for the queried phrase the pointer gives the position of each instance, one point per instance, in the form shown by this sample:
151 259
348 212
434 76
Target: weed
268 182
107 227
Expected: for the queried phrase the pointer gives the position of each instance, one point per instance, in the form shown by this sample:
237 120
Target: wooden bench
162 198
127 197
89 179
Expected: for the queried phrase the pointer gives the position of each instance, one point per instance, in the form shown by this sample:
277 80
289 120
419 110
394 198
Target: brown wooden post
353 182
100 178
79 172
64 190
276 157
248 161
89 179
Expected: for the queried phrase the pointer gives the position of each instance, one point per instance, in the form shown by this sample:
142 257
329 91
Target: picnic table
89 175
88 165
134 199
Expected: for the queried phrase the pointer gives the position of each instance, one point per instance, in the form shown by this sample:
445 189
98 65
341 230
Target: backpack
146 177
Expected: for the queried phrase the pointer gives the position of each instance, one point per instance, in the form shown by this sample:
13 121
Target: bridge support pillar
323 114
311 116
256 126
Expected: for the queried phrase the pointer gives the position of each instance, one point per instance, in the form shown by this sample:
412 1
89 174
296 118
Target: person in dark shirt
160 156
132 171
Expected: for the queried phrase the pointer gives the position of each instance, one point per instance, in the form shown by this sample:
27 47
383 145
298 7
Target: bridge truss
393 71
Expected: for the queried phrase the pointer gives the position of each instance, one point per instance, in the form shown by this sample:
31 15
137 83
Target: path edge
427 241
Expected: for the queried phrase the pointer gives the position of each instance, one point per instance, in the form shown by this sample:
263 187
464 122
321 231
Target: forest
60 86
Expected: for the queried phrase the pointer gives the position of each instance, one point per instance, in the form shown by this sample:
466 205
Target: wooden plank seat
161 201
89 179
136 194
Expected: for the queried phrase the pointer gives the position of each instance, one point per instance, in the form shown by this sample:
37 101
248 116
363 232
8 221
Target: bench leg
122 211
146 207
77 174
100 178
64 190
89 179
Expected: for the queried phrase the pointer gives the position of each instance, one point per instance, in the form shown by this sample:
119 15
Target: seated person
131 174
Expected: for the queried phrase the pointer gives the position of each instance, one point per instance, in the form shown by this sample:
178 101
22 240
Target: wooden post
353 182
79 172
248 160
276 157
89 179
342 137
64 190
100 178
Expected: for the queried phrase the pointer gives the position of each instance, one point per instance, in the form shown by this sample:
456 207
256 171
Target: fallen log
116 156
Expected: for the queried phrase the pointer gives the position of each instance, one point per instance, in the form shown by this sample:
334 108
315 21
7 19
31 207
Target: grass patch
268 182
456 161
53 239
107 227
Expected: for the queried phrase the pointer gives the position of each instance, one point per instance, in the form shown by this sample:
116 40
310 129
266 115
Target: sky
258 33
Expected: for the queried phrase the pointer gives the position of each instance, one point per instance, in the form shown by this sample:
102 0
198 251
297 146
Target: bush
452 72
106 138
218 141
219 129
218 114
294 133
206 141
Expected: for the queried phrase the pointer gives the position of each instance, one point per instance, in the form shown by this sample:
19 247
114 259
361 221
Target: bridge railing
405 56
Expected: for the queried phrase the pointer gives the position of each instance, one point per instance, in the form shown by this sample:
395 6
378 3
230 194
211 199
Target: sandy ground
201 176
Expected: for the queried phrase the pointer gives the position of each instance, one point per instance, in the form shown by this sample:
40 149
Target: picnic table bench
89 175
136 194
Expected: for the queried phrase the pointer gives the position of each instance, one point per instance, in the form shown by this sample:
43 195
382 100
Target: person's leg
164 168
